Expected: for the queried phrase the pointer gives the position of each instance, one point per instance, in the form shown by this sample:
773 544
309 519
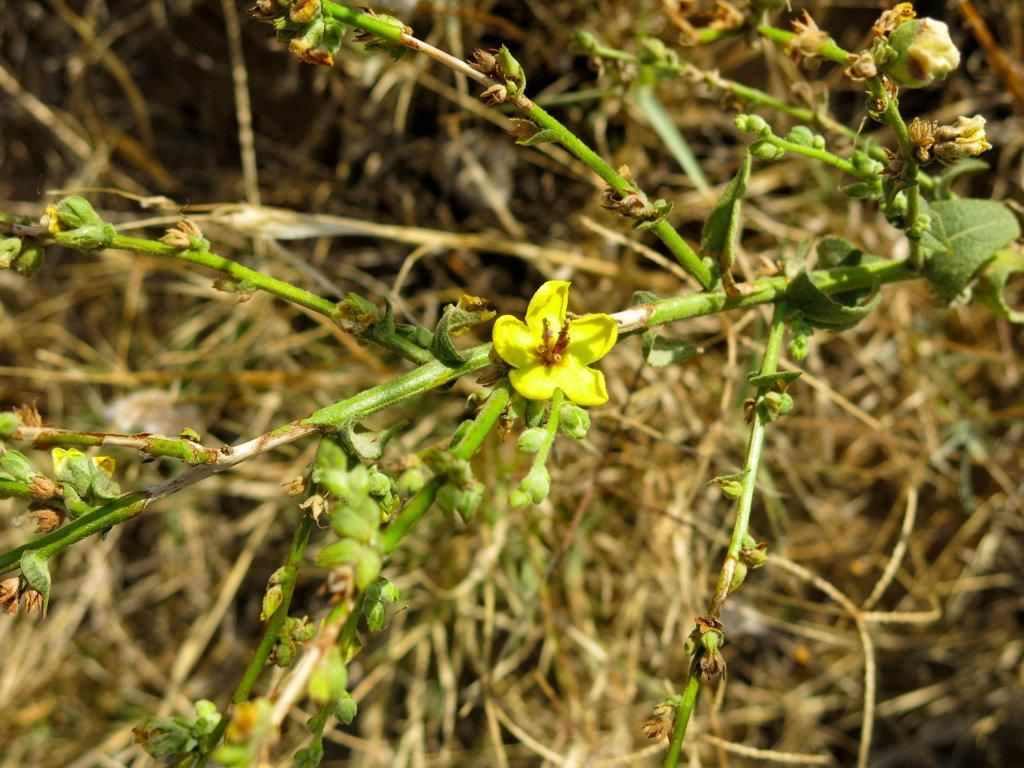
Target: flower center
551 351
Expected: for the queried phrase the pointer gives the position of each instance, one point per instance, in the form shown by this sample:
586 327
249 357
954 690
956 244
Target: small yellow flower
551 351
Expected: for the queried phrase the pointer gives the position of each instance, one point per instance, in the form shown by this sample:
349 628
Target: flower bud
765 150
573 421
922 51
537 483
328 681
411 480
346 709
532 440
351 523
753 124
73 212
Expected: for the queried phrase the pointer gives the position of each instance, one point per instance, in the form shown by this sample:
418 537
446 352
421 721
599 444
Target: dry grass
892 496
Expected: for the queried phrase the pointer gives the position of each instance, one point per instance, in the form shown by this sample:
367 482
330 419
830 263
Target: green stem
117 511
550 429
684 254
470 443
16 489
769 365
151 445
256 665
417 381
829 49
741 525
683 712
271 285
770 289
821 155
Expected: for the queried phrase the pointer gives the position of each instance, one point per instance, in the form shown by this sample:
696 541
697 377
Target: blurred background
536 637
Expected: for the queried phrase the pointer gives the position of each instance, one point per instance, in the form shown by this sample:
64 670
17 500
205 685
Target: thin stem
821 155
268 284
470 443
741 525
150 445
769 365
107 516
683 712
256 665
616 181
684 254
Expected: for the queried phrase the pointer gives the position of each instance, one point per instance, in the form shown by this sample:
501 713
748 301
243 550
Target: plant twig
741 524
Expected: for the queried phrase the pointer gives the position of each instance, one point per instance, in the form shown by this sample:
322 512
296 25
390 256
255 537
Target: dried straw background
532 638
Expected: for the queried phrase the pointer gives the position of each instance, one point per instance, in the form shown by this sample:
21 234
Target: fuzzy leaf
660 352
369 445
722 228
457 320
835 251
824 311
965 234
992 288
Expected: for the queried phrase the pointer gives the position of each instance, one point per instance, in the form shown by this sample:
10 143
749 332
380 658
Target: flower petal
591 337
534 381
582 385
550 303
514 342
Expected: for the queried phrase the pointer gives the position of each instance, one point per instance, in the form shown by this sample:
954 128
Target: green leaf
457 320
965 235
992 287
722 228
37 574
543 136
835 251
778 380
369 445
660 352
824 311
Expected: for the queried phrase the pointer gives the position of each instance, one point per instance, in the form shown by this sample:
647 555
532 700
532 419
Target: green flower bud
777 404
165 737
511 70
346 709
532 440
864 163
368 567
379 483
583 42
328 681
738 575
537 483
765 150
350 523
534 413
753 124
10 247
922 51
574 421
755 555
801 135
16 465
74 212
342 552
519 498
8 425
412 480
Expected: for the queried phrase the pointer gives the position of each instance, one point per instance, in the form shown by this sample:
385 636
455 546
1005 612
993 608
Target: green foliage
965 235
457 320
992 289
722 228
823 311
36 572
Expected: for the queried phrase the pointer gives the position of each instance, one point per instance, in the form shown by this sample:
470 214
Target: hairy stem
741 525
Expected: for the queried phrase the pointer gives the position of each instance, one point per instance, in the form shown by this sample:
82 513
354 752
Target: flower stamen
552 349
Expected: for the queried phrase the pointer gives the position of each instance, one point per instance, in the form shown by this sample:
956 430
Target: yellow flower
550 351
